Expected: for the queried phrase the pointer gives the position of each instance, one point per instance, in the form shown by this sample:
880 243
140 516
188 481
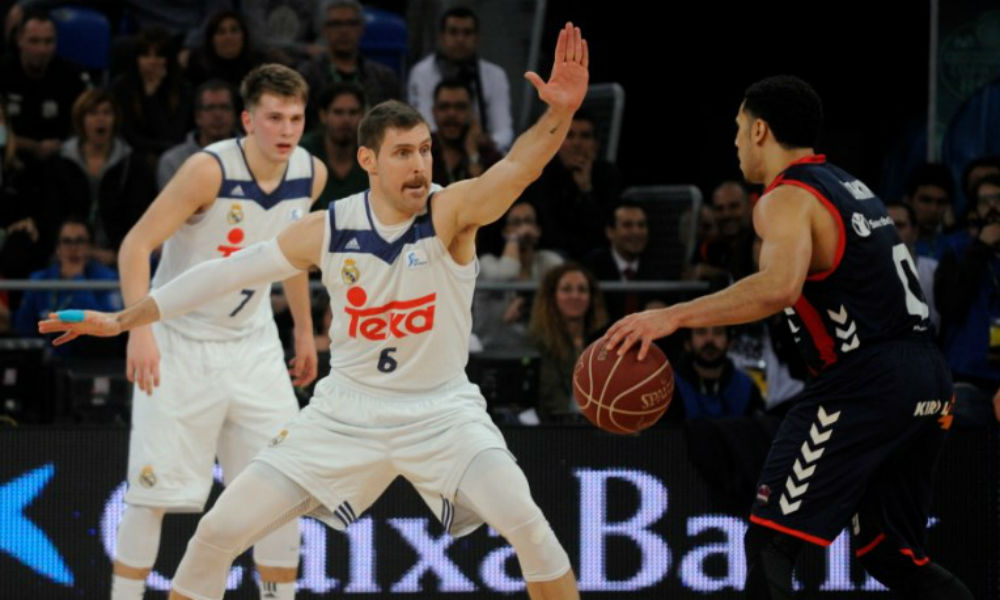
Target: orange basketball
622 394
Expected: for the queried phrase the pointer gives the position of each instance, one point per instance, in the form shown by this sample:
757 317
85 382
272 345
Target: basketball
621 394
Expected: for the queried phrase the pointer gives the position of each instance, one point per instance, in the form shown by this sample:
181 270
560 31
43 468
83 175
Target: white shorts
346 447
224 399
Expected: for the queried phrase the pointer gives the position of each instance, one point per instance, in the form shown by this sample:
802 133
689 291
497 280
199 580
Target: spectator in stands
214 120
628 234
500 317
226 52
568 313
155 101
40 88
343 62
576 193
457 58
967 290
973 172
727 256
28 217
72 262
929 191
904 217
286 29
460 148
706 383
335 142
98 175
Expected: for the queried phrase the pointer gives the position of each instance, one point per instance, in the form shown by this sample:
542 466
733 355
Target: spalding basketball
622 394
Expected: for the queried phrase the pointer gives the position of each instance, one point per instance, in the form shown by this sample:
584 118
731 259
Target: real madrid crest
278 438
235 213
147 477
349 273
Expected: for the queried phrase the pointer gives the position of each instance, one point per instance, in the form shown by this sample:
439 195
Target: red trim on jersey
917 561
812 159
878 540
792 532
841 232
817 331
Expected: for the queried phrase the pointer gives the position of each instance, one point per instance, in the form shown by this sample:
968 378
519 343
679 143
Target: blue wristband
70 316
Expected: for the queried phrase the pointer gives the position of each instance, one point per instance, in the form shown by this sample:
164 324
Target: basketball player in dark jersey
859 445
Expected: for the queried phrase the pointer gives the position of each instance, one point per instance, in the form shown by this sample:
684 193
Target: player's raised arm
484 199
295 249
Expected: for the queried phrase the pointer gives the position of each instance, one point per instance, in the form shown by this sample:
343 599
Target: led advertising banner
636 517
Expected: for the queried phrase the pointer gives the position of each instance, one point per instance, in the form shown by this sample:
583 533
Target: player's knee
221 530
138 538
540 554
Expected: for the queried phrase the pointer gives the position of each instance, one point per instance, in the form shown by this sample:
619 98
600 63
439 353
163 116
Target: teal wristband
70 316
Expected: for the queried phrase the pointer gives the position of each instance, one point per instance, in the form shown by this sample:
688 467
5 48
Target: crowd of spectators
83 153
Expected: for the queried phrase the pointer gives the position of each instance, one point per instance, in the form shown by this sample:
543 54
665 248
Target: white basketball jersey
402 310
241 215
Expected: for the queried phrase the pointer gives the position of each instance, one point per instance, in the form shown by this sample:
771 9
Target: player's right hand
142 359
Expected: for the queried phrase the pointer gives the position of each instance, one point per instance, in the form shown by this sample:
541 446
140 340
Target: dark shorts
859 446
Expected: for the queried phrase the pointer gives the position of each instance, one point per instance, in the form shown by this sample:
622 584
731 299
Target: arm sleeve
258 264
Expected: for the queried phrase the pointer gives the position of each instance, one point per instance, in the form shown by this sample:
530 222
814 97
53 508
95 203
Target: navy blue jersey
871 294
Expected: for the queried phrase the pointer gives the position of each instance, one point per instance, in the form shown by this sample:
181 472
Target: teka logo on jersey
397 319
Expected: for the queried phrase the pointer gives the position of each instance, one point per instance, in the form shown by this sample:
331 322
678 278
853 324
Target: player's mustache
415 182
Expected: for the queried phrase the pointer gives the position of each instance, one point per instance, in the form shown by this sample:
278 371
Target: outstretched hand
640 328
567 85
74 323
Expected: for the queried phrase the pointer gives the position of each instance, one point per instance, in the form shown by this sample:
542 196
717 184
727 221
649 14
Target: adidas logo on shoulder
237 190
352 245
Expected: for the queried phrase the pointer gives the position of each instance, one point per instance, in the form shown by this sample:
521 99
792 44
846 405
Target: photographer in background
967 288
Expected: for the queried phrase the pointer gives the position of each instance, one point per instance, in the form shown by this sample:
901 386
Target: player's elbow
784 294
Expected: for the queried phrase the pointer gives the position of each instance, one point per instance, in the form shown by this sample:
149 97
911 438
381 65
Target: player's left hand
567 85
74 323
305 365
642 327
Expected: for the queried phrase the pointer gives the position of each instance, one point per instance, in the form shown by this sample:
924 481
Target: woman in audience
567 314
155 101
226 52
99 176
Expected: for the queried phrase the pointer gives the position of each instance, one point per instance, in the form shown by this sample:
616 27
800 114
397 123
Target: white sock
123 588
269 590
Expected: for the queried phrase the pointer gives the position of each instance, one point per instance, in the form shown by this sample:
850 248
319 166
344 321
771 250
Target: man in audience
500 318
576 193
628 234
73 263
335 142
457 58
460 148
40 88
929 191
214 120
727 256
707 384
343 63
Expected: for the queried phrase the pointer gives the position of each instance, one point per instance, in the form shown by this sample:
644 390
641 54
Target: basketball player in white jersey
399 264
214 381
